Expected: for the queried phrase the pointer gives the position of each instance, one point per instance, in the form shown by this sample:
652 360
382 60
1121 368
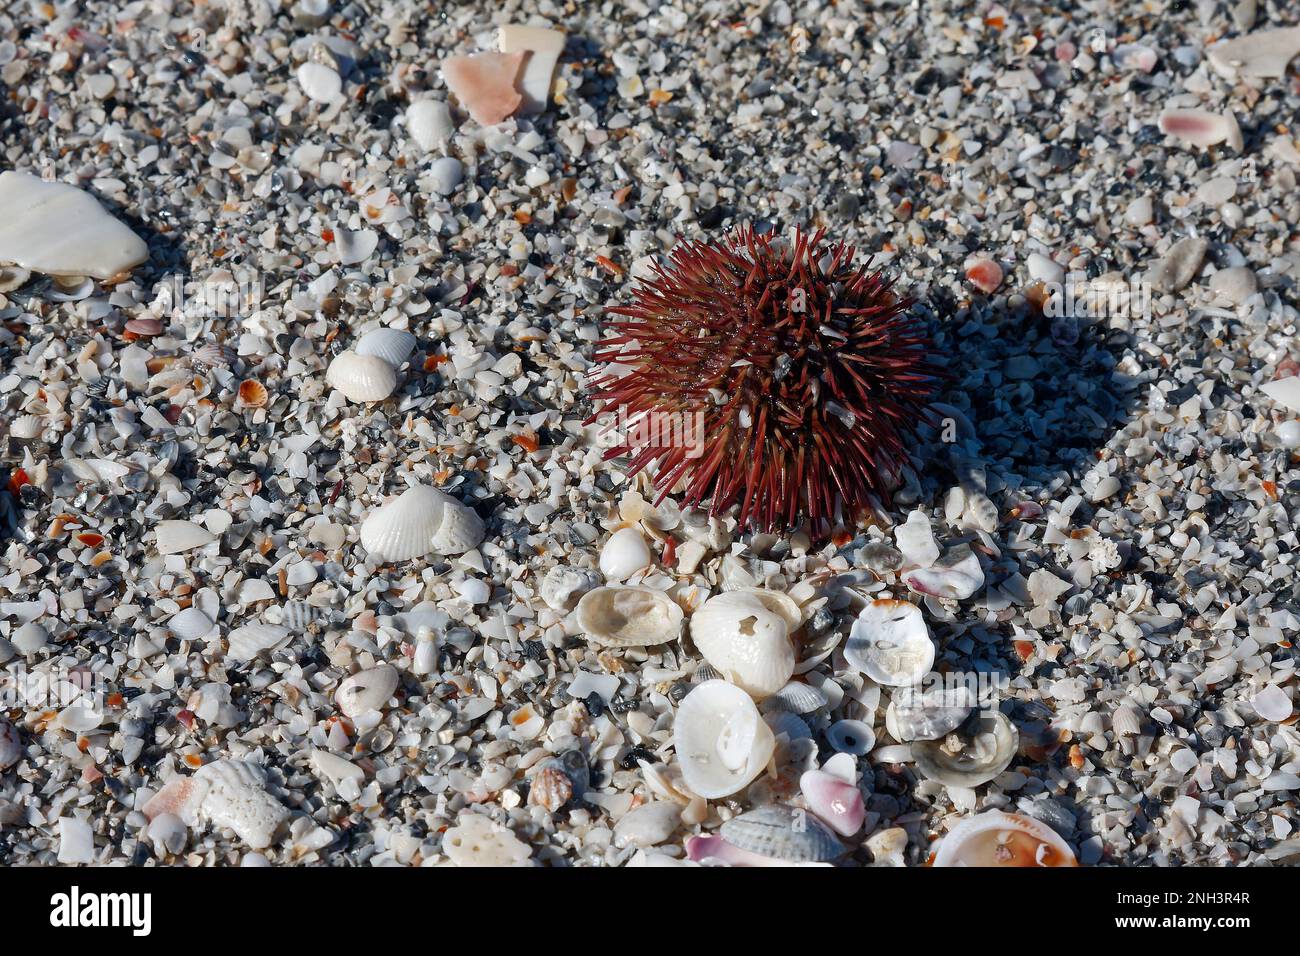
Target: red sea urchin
805 376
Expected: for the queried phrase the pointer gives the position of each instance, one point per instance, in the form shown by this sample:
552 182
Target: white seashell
250 640
916 541
915 713
721 741
994 838
888 847
79 719
745 635
190 624
851 737
26 426
361 378
320 83
626 616
62 231
981 512
430 124
232 794
797 698
624 554
649 824
95 469
420 520
354 246
168 834
1284 391
1201 128
11 748
392 345
1263 53
445 174
890 643
175 537
562 586
1272 704
956 576
969 758
782 833
836 802
29 638
366 691
543 47
791 725
299 615
13 277
1126 722
76 842
476 841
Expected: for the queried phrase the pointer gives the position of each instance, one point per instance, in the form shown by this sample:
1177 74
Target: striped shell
421 520
250 640
26 426
782 833
1127 722
190 624
361 378
392 345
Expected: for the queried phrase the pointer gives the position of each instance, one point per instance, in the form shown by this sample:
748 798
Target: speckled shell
994 838
627 616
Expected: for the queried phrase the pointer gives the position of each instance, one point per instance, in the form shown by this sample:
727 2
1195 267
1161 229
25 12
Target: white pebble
76 841
915 539
1235 285
1288 433
1140 211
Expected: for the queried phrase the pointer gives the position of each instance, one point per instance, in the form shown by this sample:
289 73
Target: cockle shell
956 576
557 780
890 643
915 713
26 427
721 741
190 624
745 635
994 838
367 690
627 616
392 345
250 640
175 537
361 378
783 833
624 554
11 748
421 520
797 698
563 587
836 802
971 755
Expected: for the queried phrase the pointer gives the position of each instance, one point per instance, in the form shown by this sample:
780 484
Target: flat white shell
361 378
916 541
994 838
722 743
956 576
890 643
392 345
175 537
629 616
250 640
745 635
421 520
430 124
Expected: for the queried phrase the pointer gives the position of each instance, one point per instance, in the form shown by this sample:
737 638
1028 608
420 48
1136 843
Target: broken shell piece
562 587
851 737
783 833
61 230
916 541
1272 703
543 48
927 714
1264 53
890 643
629 617
367 690
228 794
970 756
722 743
26 427
250 640
175 537
745 635
430 124
888 847
1284 391
13 277
392 345
994 838
1201 128
836 802
956 576
190 624
354 245
485 84
320 83
361 378
11 748
421 520
477 841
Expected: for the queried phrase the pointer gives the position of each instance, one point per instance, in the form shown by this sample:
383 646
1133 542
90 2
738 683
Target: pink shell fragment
173 798
485 84
984 274
838 804
1201 128
714 849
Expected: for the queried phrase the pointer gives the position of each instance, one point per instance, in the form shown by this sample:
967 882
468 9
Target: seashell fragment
994 838
227 794
13 277
626 616
175 537
890 643
543 47
916 541
624 554
836 802
25 427
11 748
250 640
745 635
970 756
956 576
562 586
1126 722
392 345
354 245
476 841
367 690
1284 391
1264 53
361 378
782 833
320 83
851 737
485 84
421 520
649 824
721 741
1272 704
1201 128
797 698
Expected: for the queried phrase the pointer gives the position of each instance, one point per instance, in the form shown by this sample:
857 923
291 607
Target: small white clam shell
890 643
250 640
797 698
721 741
392 345
355 246
26 427
994 838
1126 722
627 616
420 520
361 378
190 624
624 554
957 576
368 690
792 725
970 756
175 537
745 635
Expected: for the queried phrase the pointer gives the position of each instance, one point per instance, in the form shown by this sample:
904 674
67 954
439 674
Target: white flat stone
61 230
544 48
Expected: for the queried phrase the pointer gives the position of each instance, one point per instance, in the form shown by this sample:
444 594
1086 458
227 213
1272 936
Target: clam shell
721 741
916 714
175 537
361 378
26 426
797 698
420 520
250 640
970 756
392 345
994 838
956 576
792 725
627 616
746 636
783 833
1127 722
890 643
12 277
367 690
190 624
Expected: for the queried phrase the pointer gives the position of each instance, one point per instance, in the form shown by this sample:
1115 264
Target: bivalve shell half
175 537
421 520
26 427
797 698
629 616
392 345
783 833
190 624
722 743
367 690
361 378
956 576
746 636
250 640
971 755
890 643
624 554
994 838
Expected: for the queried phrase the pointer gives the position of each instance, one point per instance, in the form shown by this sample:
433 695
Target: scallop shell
175 537
956 576
392 345
792 725
721 741
890 643
420 520
190 624
797 698
746 636
994 838
1126 722
970 756
917 714
628 616
26 426
361 378
250 640
252 394
783 833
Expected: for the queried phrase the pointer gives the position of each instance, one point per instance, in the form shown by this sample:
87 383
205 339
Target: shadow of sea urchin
795 377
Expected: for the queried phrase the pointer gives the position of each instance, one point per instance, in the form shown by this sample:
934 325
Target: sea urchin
795 379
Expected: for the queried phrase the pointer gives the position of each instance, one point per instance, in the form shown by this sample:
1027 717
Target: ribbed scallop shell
746 636
629 617
890 643
1126 722
797 698
250 640
392 345
420 520
26 426
994 838
190 624
362 378
782 833
721 741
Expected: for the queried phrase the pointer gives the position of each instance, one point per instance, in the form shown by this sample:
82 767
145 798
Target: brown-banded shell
252 394
994 838
972 755
629 617
783 833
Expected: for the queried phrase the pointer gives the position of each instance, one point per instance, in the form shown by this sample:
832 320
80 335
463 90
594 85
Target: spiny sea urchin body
776 375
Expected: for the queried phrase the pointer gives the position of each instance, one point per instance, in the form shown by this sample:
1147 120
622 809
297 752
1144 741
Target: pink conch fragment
485 84
714 849
837 803
1201 128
